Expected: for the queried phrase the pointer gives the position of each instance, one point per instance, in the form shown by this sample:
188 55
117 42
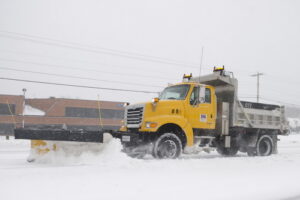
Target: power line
117 89
290 94
77 77
266 99
289 81
80 69
69 59
281 102
83 61
87 62
73 60
93 49
78 86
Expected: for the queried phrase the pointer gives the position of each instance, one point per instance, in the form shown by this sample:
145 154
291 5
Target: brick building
58 112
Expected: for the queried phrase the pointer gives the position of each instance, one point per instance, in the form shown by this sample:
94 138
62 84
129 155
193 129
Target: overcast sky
144 45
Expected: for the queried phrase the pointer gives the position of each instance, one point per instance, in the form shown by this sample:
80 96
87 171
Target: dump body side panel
260 116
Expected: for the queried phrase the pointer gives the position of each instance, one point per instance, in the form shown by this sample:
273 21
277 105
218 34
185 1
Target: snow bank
12 143
80 153
294 122
109 174
28 110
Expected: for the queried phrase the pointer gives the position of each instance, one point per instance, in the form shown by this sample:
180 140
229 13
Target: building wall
81 114
14 100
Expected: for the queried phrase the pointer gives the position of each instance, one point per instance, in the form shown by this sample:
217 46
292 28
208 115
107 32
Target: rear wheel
264 147
167 146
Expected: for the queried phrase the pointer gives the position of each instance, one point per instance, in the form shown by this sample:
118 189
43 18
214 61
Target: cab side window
194 96
194 100
207 95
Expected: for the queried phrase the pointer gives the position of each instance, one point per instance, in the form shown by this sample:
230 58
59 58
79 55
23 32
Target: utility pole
258 77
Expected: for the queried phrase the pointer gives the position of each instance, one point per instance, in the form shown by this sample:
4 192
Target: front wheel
167 146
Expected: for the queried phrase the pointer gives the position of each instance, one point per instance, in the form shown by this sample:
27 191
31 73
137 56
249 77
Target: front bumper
136 138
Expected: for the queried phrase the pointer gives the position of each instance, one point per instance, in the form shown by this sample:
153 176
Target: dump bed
235 113
259 115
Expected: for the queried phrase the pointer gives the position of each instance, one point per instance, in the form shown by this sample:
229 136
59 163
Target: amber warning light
217 69
186 77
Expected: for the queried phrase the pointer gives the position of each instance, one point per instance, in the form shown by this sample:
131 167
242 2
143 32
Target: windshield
177 92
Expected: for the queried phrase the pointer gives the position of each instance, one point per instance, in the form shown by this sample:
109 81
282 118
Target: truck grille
134 117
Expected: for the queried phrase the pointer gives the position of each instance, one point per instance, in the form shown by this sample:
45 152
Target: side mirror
202 94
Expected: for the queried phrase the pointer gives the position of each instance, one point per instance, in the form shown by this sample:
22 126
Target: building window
93 113
7 109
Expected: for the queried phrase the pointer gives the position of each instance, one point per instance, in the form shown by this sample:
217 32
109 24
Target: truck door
201 114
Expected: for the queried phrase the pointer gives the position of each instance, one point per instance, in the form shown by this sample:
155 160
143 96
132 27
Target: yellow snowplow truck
198 114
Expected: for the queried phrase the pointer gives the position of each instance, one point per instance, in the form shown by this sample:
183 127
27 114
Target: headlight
155 100
151 125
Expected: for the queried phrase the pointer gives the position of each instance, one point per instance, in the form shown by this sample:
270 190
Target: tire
167 146
264 147
232 151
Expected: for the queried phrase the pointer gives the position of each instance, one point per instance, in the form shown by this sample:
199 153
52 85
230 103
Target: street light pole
258 84
24 92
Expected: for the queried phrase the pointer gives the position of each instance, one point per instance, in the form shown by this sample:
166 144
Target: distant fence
296 129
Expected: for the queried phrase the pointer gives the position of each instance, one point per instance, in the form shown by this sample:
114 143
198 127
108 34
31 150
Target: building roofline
11 95
73 99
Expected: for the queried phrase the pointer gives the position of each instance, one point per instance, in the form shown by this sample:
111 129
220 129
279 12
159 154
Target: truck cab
182 111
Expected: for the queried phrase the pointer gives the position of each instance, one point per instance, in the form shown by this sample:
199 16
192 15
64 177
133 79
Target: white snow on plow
109 174
77 153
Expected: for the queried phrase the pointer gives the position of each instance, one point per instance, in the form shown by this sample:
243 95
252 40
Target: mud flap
275 140
253 140
227 142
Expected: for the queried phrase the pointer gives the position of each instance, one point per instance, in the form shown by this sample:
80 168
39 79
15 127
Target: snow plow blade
60 135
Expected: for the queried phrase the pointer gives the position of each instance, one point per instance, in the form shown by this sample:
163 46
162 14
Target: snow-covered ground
294 124
112 175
